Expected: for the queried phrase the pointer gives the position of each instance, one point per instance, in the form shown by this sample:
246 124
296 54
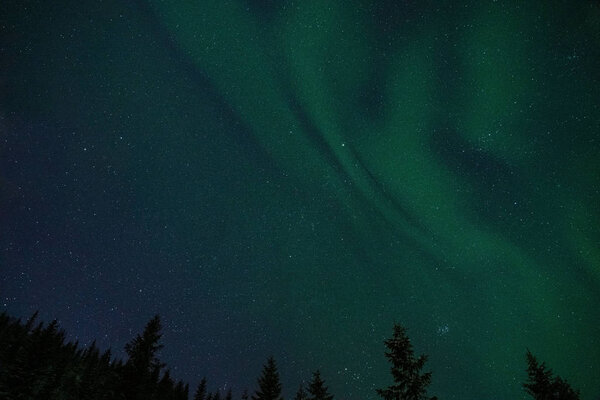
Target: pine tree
165 385
142 350
317 388
181 391
245 395
201 390
409 382
142 369
542 385
301 394
269 387
539 378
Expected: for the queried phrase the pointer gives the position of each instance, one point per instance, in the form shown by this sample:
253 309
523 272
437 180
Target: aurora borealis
290 178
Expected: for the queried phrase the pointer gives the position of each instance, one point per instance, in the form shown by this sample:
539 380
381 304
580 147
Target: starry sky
290 178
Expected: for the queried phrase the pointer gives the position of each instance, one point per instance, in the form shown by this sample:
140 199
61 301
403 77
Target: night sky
290 178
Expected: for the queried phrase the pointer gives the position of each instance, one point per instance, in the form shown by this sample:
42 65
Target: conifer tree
181 391
317 388
542 385
201 390
301 394
142 369
269 387
166 384
409 382
142 350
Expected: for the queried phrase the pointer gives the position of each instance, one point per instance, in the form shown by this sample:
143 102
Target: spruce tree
301 394
142 350
542 385
317 388
269 387
201 390
142 369
165 386
409 382
181 391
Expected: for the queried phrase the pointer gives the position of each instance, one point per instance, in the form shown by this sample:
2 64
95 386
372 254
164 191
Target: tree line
37 363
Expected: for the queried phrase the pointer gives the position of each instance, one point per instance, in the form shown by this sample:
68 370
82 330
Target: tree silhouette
301 394
142 350
542 385
409 382
36 363
201 390
245 395
269 387
317 388
181 391
165 385
142 369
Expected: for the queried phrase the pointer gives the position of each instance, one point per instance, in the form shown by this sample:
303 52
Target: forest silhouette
36 362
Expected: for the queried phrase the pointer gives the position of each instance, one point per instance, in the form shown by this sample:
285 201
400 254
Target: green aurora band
454 89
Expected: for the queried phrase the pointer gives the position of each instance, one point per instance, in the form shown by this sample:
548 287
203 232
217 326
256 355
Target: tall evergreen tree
201 390
245 395
142 369
409 382
317 388
181 391
142 350
542 385
301 394
165 385
269 387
